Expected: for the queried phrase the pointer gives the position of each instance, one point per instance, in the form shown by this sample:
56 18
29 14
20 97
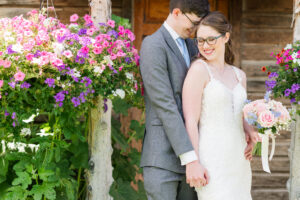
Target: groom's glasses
210 40
193 22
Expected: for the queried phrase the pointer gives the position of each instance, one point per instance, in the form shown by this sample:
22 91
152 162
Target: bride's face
211 43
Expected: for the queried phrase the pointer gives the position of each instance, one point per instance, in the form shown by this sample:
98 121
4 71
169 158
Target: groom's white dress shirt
191 155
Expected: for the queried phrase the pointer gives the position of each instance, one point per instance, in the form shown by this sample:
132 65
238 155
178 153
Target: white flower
34 147
58 78
58 48
21 147
17 48
11 146
63 85
43 133
30 119
36 61
25 131
76 73
73 26
3 146
47 22
97 70
129 75
288 46
120 93
294 55
108 60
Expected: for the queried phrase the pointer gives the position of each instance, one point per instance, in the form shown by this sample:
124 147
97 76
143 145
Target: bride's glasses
210 40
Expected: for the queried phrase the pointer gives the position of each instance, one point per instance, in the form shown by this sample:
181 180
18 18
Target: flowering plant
269 117
55 70
284 81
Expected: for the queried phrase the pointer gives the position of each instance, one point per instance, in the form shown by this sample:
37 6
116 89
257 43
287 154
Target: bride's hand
249 148
196 174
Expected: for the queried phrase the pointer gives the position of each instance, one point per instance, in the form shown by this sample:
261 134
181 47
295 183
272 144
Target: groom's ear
176 12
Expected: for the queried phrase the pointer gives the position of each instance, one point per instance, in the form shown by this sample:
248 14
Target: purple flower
50 82
82 31
105 105
25 85
14 124
87 81
102 24
127 60
287 92
270 85
113 33
85 41
295 88
273 74
295 69
37 54
75 79
79 60
12 84
89 24
293 100
82 97
61 39
9 50
60 97
6 113
13 115
75 101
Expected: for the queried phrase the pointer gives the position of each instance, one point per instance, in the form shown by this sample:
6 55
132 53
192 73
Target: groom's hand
196 174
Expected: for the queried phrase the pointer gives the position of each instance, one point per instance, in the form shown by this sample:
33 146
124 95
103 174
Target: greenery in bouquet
284 79
56 71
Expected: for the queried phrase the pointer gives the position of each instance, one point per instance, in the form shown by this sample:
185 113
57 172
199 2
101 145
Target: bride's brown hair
218 21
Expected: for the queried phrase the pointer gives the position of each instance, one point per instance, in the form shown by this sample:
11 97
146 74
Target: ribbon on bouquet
265 149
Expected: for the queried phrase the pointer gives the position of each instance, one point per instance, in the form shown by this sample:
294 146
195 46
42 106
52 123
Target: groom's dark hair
198 7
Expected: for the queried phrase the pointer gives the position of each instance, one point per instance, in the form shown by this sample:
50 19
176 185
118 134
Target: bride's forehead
206 31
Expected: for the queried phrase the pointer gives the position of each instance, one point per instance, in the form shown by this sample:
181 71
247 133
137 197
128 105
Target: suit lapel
192 48
173 46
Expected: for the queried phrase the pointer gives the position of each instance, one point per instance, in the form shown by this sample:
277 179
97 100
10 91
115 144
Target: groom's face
186 23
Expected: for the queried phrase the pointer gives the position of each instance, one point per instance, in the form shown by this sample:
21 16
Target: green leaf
138 128
16 193
23 178
117 136
81 154
3 167
45 189
120 106
57 154
45 173
122 190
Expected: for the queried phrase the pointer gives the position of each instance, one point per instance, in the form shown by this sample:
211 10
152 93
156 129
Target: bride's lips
208 52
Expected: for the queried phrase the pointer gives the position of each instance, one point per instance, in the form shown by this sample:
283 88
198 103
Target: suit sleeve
157 85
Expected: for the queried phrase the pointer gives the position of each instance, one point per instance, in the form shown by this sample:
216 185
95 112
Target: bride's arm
196 174
192 92
251 133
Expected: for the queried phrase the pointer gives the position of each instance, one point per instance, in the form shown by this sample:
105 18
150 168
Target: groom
167 150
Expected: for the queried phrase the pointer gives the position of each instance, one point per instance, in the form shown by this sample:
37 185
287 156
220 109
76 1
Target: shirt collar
172 32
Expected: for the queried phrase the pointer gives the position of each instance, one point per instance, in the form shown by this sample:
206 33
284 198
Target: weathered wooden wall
265 28
64 8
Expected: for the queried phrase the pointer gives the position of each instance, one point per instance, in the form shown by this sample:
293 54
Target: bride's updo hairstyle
218 21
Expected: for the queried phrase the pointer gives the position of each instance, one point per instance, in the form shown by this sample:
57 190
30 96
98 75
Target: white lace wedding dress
222 142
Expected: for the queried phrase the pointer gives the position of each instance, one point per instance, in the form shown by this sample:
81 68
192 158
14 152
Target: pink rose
19 76
260 107
247 109
74 18
1 83
266 119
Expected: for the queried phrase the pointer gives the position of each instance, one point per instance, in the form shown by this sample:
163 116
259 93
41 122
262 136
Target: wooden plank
264 180
268 5
37 2
259 51
270 194
156 11
268 36
262 20
277 164
253 68
127 9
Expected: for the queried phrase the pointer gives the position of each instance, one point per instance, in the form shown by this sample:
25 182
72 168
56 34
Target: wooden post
99 176
294 151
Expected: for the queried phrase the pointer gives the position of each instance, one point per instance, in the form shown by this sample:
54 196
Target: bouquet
269 117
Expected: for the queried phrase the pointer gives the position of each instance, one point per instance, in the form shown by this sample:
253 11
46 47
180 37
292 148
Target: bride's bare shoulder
198 66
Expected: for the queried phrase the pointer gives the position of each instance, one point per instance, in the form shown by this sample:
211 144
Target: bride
214 93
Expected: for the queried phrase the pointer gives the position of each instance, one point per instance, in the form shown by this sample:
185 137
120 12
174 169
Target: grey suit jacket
163 70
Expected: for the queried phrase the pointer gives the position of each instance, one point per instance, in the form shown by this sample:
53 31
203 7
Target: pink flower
90 31
113 56
1 53
19 76
1 83
120 68
93 62
260 107
29 56
6 63
74 18
68 53
247 109
85 50
97 50
111 23
266 119
121 29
